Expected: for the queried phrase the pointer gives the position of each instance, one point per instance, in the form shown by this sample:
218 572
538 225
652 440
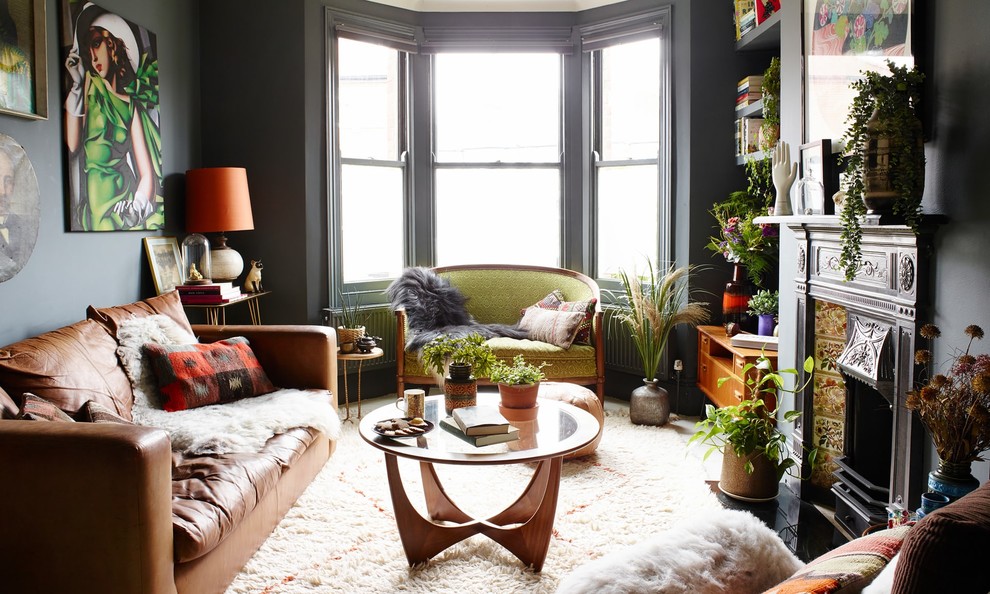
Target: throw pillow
8 408
946 549
848 568
38 409
94 412
168 304
555 300
555 327
195 375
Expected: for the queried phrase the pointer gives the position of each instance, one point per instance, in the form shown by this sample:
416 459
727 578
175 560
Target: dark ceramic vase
952 479
460 388
649 404
735 298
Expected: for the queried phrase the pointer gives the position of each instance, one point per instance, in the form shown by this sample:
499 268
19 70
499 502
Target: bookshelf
765 37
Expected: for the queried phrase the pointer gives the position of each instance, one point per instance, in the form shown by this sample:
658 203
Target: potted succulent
461 359
764 305
886 156
350 326
519 382
755 453
649 309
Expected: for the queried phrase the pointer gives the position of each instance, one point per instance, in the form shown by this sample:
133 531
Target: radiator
378 321
620 351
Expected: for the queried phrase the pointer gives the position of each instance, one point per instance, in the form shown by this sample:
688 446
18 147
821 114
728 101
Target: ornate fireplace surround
884 304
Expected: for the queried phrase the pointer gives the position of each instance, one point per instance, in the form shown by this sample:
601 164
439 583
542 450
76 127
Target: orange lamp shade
217 199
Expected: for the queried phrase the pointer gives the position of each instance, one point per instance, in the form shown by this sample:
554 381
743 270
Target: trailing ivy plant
894 98
770 90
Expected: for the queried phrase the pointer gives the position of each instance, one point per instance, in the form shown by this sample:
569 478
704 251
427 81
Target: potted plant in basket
519 382
886 155
764 305
755 453
461 359
649 309
350 326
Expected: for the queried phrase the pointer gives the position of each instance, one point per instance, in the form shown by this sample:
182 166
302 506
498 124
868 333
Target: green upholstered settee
498 294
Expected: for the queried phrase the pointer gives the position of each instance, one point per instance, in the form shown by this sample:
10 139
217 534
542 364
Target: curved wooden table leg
536 508
438 503
421 538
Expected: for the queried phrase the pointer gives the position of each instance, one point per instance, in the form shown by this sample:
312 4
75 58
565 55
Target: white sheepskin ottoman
724 551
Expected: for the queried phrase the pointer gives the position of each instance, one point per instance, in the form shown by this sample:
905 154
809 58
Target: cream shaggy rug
341 535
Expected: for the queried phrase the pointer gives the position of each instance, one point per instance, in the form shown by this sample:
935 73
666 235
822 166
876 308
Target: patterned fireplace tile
830 395
830 320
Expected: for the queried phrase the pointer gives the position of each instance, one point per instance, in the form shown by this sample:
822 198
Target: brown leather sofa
90 507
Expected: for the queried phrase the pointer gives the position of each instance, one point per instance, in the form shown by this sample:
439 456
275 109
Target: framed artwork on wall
24 70
165 262
843 38
112 121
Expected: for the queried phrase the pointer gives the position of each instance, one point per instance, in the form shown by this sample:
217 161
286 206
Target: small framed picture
818 161
165 262
23 73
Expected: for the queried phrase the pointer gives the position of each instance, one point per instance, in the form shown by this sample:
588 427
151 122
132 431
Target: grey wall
68 271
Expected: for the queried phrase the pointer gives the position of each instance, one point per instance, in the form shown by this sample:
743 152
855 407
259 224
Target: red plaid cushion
36 408
195 375
555 300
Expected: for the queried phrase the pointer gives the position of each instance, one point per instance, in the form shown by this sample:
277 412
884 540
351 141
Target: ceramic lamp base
226 264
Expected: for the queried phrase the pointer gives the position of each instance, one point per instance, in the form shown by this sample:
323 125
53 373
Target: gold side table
216 314
360 358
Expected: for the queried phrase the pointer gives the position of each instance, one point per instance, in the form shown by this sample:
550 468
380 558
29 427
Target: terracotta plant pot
735 482
518 396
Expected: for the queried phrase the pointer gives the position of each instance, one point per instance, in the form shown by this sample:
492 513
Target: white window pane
498 107
505 216
631 100
628 228
371 222
369 99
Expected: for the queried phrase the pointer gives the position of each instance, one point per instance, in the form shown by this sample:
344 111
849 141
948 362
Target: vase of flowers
650 307
955 408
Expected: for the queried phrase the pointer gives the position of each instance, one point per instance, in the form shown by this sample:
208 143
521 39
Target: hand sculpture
784 172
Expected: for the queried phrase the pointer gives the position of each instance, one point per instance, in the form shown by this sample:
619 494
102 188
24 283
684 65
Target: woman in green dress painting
108 129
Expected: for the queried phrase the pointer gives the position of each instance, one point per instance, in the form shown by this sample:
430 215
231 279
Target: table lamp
217 201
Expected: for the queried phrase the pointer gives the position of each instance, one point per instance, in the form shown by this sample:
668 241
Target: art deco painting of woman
112 127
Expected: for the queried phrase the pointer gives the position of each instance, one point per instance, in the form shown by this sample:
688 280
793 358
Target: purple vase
764 326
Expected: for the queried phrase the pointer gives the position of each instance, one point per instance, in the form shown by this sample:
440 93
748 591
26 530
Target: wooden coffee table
546 434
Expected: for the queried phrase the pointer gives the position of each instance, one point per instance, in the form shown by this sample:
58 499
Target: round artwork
20 207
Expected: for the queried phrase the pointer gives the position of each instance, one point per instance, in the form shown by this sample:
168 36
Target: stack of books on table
749 91
209 293
480 425
754 341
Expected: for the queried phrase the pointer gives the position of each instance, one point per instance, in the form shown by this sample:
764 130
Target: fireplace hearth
880 455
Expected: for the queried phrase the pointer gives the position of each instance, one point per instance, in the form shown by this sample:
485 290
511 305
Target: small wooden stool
582 398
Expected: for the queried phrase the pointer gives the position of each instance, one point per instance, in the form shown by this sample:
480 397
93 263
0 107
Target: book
208 299
480 420
754 341
477 441
208 288
765 9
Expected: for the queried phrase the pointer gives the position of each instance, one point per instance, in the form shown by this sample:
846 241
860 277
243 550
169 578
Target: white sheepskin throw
240 426
720 552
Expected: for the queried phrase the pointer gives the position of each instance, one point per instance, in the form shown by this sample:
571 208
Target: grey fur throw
433 308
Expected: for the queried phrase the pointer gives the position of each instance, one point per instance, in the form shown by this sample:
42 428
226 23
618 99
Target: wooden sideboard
717 359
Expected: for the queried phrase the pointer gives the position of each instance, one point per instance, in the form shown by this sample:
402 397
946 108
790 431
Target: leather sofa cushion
69 367
212 494
167 304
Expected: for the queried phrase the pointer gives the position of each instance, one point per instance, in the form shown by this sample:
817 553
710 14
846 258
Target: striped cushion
94 412
555 327
194 375
848 568
37 408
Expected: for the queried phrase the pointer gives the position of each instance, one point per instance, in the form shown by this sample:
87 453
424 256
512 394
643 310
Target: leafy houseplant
764 303
518 383
462 358
883 115
747 434
649 309
742 241
351 323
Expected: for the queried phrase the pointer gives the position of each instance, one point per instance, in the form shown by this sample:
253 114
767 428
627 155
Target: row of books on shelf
750 13
209 293
748 135
480 425
749 91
